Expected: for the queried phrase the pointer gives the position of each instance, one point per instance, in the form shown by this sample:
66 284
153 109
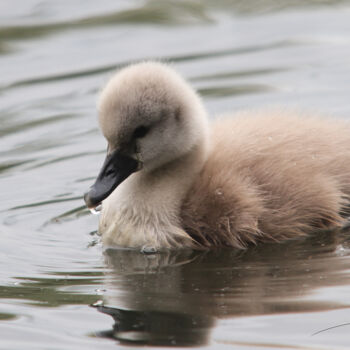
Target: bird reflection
158 328
175 298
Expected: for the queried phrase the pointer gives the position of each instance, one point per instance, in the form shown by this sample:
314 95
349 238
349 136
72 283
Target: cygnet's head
150 117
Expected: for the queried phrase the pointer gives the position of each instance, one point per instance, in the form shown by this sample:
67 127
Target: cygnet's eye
140 131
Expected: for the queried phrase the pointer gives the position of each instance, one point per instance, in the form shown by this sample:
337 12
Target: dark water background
54 57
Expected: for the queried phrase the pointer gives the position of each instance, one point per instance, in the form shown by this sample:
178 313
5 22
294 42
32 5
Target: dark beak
115 169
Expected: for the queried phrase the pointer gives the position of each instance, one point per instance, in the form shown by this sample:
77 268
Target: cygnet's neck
144 209
170 183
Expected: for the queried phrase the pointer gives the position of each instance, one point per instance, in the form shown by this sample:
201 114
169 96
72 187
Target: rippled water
54 57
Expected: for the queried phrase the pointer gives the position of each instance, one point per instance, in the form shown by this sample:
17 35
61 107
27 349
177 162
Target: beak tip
90 203
116 168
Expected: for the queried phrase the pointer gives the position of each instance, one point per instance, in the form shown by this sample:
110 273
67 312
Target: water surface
54 57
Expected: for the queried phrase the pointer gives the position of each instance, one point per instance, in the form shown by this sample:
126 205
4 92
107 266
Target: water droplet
96 210
146 249
218 192
341 250
97 303
100 291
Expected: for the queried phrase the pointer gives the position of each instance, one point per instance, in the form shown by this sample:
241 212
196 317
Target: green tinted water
54 57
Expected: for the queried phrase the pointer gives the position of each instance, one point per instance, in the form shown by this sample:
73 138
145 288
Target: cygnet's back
270 175
173 180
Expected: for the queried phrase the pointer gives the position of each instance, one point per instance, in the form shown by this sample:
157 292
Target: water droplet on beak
96 210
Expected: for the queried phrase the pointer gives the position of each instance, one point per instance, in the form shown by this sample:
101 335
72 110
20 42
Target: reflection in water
175 298
158 328
51 292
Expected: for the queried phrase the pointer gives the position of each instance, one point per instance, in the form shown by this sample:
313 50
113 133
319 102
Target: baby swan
171 181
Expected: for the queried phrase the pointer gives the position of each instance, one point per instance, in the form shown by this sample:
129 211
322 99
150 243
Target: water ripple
174 58
153 12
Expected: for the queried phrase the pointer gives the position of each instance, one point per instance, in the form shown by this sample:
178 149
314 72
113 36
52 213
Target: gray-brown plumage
245 178
287 175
